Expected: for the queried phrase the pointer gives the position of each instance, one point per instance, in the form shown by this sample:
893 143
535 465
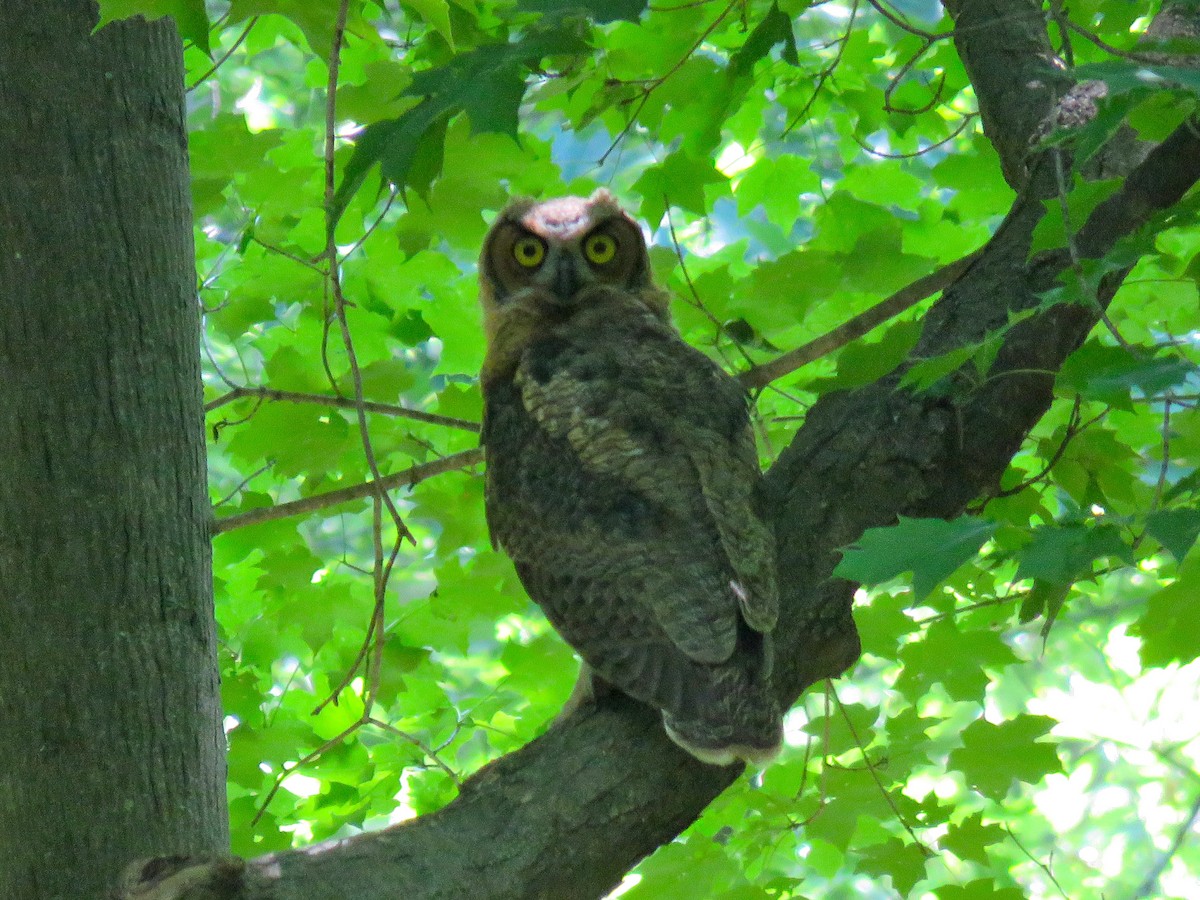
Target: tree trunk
110 740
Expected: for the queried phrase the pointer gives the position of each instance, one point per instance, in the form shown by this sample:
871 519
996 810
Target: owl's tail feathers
754 734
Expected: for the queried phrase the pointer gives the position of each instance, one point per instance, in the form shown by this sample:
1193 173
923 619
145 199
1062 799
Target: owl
622 477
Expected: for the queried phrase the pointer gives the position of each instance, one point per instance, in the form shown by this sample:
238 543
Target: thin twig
245 481
1073 250
378 221
858 326
1164 467
898 77
380 499
824 75
903 24
682 6
224 56
966 121
1109 48
971 607
1149 885
1059 15
418 743
1074 427
303 761
218 427
1037 862
695 295
657 82
878 781
387 409
1161 484
287 254
383 577
407 478
335 285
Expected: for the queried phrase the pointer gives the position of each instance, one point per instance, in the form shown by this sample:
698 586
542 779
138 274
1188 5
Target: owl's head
557 252
546 264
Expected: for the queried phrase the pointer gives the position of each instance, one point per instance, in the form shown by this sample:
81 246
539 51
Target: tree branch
852 329
387 409
406 478
1149 884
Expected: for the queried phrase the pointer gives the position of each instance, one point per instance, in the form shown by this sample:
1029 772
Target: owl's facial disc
562 249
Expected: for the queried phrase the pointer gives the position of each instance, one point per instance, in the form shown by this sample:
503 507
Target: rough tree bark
110 740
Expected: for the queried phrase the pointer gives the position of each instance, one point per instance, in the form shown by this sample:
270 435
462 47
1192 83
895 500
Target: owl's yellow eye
529 252
600 249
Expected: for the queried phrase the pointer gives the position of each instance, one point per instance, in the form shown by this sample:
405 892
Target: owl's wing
748 542
657 422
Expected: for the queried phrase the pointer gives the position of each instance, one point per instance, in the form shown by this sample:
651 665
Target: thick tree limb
567 815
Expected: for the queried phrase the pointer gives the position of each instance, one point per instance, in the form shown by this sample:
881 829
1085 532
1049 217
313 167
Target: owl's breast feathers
622 480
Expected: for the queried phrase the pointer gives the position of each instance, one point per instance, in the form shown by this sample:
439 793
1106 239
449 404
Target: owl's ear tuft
602 199
516 209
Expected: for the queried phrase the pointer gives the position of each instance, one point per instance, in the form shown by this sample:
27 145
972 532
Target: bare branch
386 409
858 326
407 478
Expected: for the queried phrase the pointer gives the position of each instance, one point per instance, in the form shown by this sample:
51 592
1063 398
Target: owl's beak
566 278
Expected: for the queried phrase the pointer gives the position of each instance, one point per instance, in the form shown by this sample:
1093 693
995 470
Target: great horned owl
622 476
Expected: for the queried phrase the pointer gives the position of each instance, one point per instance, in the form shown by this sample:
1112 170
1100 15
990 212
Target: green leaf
929 548
774 29
922 376
855 799
993 756
1175 529
970 838
1187 484
882 624
487 83
957 660
1170 626
864 362
884 184
903 862
1125 76
679 180
1063 553
849 728
674 871
778 185
436 14
1113 374
1045 598
1084 197
779 291
315 19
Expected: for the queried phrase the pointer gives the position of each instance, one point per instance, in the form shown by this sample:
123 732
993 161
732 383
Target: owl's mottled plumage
622 475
